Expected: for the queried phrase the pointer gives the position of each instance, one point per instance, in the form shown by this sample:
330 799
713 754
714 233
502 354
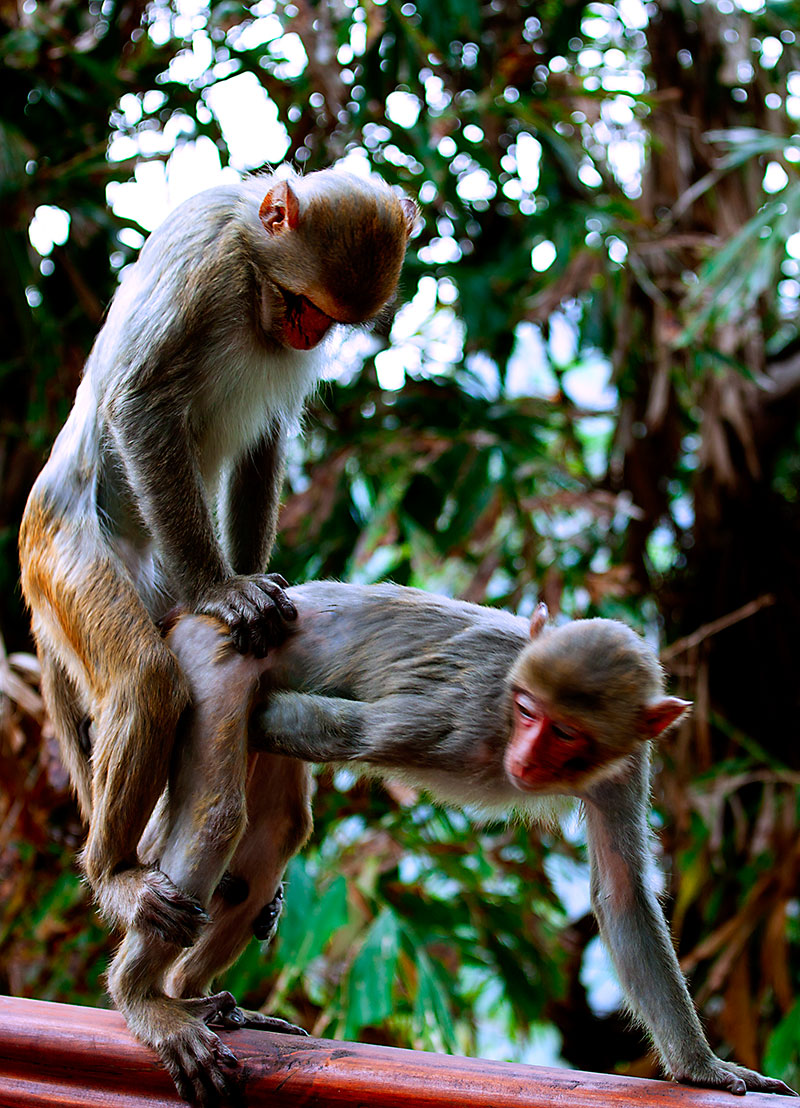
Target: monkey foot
201 1066
212 1009
175 917
716 1074
221 1010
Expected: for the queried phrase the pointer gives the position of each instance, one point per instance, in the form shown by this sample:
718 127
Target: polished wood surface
64 1056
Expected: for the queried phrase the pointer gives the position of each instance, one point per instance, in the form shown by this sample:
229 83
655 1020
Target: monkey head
335 245
582 696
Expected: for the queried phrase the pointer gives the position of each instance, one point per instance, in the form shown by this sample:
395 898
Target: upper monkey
163 485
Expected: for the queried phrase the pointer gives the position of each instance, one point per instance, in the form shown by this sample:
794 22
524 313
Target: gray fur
416 686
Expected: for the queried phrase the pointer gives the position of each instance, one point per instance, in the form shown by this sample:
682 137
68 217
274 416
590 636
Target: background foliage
590 394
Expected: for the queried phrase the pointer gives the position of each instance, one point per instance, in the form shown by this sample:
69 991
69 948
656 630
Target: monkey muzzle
305 324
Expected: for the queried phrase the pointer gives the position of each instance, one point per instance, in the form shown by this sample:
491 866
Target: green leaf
309 921
371 976
433 1021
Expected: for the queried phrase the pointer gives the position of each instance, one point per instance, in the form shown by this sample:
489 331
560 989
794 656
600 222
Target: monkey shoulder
490 645
189 264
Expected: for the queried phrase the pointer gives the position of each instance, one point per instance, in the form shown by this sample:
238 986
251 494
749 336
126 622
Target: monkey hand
255 608
169 913
714 1073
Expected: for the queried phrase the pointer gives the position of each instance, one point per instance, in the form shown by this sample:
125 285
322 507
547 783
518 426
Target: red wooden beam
63 1056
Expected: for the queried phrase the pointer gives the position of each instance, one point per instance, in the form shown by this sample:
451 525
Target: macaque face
335 252
547 751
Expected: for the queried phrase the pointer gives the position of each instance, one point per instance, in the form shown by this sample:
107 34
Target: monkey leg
101 648
193 833
199 824
250 898
203 1068
633 927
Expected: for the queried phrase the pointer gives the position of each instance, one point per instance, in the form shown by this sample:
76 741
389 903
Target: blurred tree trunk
737 551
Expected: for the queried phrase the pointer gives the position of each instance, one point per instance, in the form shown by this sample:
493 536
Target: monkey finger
267 630
235 610
240 635
278 578
273 585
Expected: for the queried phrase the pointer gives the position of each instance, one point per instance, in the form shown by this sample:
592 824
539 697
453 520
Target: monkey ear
410 212
661 714
279 209
538 620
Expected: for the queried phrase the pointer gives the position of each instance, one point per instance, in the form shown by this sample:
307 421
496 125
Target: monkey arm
153 443
314 728
634 929
249 503
153 439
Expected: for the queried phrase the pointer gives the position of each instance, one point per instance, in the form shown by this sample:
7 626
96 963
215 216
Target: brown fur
599 672
162 489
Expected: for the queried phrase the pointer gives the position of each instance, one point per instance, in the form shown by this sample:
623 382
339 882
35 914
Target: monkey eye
566 734
527 707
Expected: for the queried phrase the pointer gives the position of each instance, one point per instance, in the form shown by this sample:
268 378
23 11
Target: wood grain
64 1056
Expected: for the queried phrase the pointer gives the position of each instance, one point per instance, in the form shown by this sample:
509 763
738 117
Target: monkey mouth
304 324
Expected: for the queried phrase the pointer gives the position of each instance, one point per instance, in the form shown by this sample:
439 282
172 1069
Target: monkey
479 708
162 487
215 786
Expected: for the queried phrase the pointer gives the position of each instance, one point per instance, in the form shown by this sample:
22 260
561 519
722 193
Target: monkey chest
248 394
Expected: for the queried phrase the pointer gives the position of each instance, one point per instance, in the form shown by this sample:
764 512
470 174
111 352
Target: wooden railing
66 1056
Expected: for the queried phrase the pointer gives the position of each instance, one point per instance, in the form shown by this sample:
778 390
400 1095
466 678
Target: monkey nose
517 768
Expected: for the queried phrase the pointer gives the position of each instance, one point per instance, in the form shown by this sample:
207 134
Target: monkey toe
266 922
214 1009
758 1083
172 915
734 1079
204 1070
274 1024
257 1021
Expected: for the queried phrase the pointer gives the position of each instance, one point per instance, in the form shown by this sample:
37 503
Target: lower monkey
470 703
